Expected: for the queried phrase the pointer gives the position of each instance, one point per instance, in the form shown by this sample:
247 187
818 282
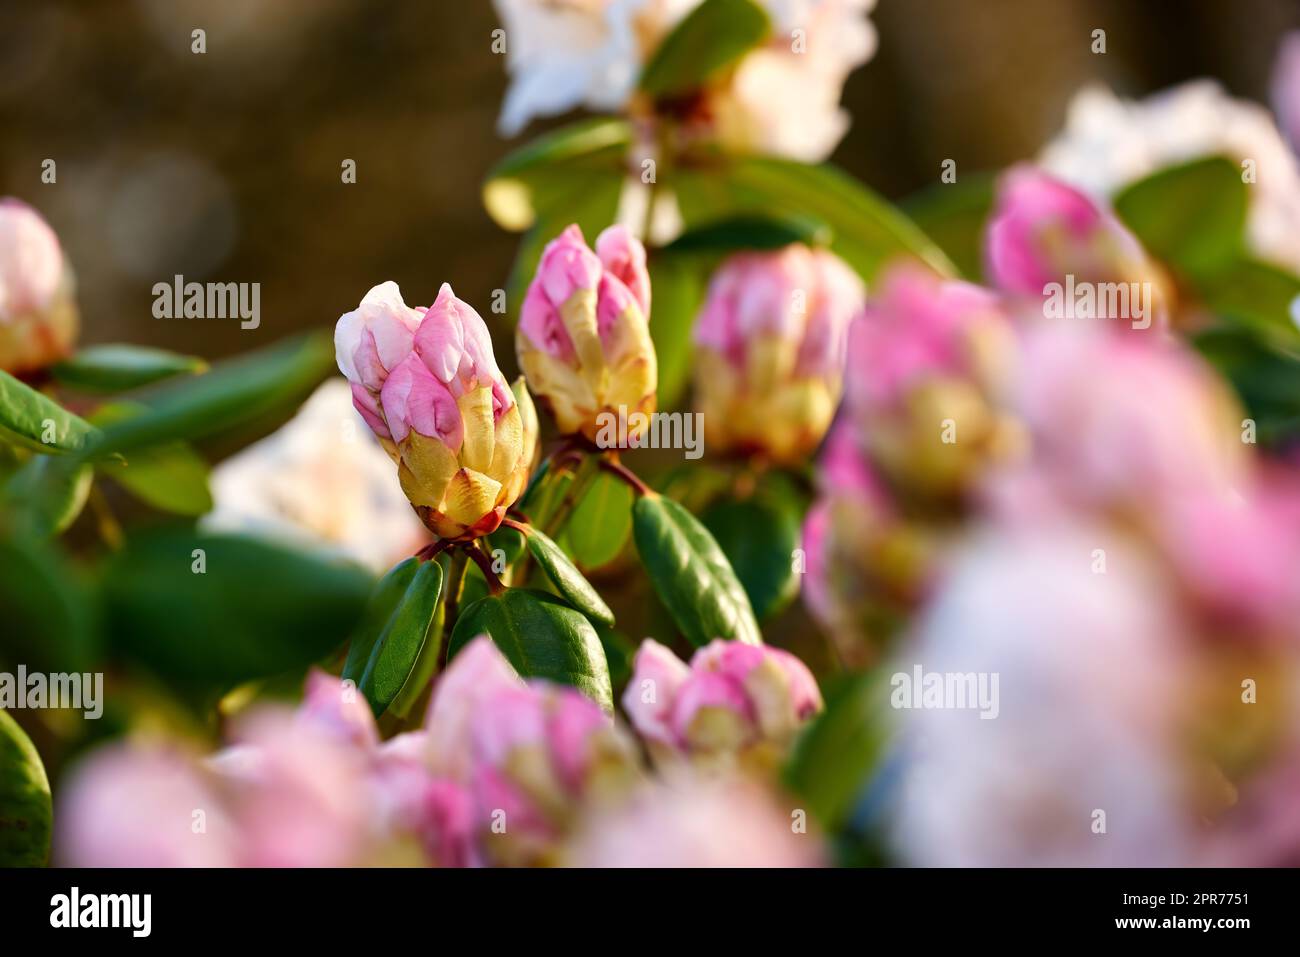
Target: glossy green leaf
710 38
601 523
691 574
759 537
568 581
171 477
1258 298
119 366
542 637
866 231
399 619
217 609
48 493
954 216
1267 382
541 176
233 393
1192 216
47 620
835 757
34 421
620 650
26 811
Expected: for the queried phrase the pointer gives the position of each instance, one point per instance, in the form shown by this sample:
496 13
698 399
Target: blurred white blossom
322 481
1110 142
782 98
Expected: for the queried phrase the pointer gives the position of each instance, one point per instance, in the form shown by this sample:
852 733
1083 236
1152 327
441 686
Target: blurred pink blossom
733 697
38 316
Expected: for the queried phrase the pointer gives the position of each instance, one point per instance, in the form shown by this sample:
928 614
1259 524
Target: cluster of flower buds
38 314
733 702
770 359
533 756
923 421
427 383
584 340
503 772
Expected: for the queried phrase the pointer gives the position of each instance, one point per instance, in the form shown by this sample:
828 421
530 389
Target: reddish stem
484 562
614 467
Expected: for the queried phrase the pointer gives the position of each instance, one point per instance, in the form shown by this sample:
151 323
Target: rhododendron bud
337 707
1119 424
532 754
38 316
143 806
428 384
868 563
583 341
771 340
298 793
926 365
735 699
1050 243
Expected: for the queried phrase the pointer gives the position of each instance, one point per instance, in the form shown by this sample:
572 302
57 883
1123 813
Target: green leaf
171 477
601 522
866 231
48 493
1267 382
691 574
954 216
234 393
759 538
218 609
714 35
46 611
544 175
620 650
838 752
678 286
1259 298
120 366
568 581
26 811
748 231
542 637
399 619
29 418
1192 216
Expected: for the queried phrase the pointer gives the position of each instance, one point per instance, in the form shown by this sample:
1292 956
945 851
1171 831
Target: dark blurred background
226 166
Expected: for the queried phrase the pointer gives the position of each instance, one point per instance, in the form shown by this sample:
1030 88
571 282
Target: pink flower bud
427 383
338 708
771 350
299 794
38 316
927 362
134 806
732 697
532 755
1045 238
1099 444
583 341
